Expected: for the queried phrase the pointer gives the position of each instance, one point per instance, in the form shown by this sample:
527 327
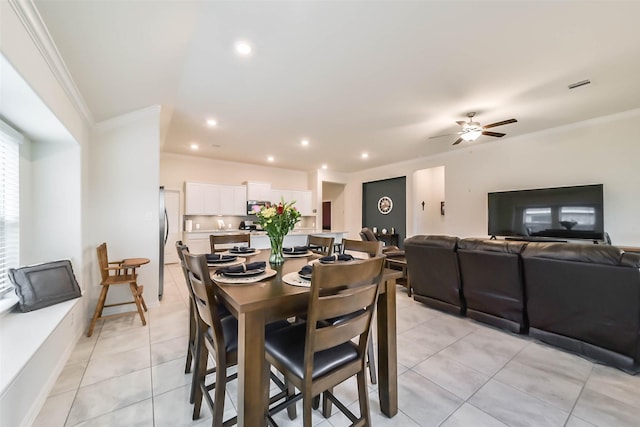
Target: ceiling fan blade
446 134
458 141
496 134
504 122
461 122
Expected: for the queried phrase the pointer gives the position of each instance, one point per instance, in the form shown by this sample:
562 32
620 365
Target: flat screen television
548 213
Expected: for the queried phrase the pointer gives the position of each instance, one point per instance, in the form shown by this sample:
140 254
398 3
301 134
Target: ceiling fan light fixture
471 135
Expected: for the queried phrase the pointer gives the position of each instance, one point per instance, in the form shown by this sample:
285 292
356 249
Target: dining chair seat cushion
230 331
287 347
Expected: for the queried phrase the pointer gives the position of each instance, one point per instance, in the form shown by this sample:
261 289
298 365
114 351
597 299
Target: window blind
10 141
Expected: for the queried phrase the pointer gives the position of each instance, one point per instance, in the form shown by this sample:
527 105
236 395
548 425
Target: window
9 200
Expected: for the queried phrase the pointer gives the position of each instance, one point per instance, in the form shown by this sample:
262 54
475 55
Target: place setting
303 276
223 260
243 273
296 252
241 250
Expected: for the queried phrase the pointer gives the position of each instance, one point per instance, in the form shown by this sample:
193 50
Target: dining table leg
387 350
251 365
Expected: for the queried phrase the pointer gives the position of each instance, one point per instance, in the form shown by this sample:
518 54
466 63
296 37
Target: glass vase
276 257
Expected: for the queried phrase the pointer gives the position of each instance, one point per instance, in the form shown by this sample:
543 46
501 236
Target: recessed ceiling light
364 155
194 146
324 166
243 48
304 142
212 123
270 159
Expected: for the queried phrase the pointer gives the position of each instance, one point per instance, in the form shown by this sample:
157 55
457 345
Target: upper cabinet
212 199
233 200
302 197
259 191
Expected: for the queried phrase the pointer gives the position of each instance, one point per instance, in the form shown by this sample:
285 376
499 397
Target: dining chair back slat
320 245
347 301
331 336
243 239
372 249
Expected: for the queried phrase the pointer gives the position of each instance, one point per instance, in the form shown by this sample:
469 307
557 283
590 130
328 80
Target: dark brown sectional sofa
584 298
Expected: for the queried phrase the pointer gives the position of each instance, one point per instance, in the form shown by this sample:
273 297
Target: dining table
272 299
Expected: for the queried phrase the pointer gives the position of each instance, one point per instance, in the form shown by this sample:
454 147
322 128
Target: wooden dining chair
315 356
391 251
320 245
218 336
372 249
228 239
194 320
116 273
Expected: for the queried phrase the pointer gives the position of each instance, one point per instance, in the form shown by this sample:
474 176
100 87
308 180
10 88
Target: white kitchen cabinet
258 191
239 200
305 203
278 195
194 198
213 199
233 200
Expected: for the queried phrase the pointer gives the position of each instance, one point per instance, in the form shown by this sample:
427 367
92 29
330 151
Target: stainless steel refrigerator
164 233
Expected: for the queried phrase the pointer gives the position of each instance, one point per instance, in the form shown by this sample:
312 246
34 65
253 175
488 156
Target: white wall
124 191
602 150
428 187
55 203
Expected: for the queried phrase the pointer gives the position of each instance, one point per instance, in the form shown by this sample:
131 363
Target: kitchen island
198 240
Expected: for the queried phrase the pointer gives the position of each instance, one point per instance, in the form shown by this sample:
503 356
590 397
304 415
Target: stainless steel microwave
254 206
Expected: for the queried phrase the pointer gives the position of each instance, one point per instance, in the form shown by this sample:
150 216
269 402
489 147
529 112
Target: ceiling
351 77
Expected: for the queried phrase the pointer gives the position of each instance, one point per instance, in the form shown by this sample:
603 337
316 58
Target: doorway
429 217
326 215
333 205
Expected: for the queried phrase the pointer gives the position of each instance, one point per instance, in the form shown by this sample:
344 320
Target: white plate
238 260
247 273
225 259
219 278
294 279
286 255
244 254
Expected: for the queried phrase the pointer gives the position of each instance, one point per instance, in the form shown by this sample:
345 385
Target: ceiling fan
472 130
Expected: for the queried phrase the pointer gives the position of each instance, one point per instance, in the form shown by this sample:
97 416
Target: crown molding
35 26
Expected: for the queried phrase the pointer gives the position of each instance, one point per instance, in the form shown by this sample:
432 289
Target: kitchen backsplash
208 222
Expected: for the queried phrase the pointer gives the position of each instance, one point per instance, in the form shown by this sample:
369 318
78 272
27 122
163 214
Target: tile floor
452 372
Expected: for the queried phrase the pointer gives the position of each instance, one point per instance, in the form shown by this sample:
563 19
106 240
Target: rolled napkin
219 258
336 257
306 270
295 249
241 268
242 249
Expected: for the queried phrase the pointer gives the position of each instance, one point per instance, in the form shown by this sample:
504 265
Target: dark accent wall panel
396 189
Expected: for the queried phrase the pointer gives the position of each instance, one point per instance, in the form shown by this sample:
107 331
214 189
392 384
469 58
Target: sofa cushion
588 253
503 246
42 285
